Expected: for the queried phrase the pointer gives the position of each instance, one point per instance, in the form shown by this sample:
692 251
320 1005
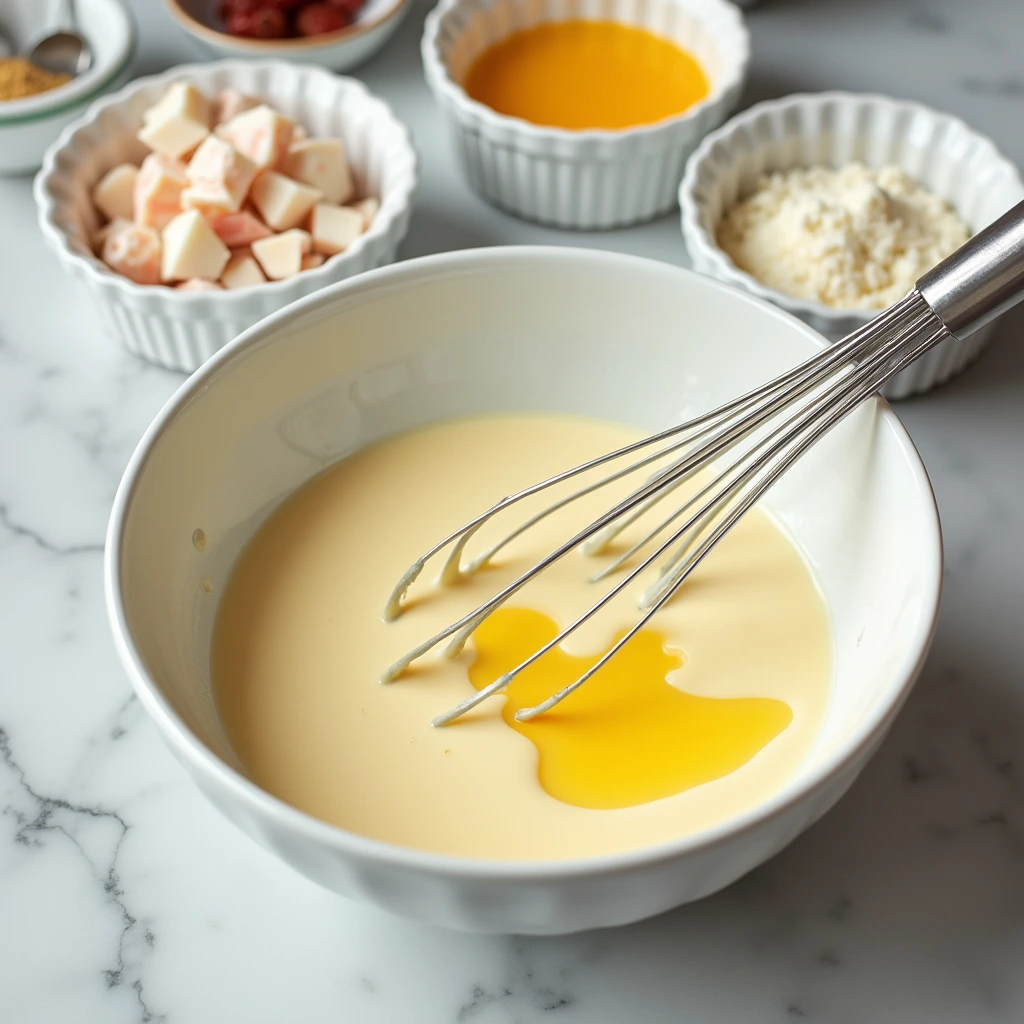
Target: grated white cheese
853 238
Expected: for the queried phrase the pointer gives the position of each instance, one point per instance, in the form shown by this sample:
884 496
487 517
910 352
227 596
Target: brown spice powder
20 78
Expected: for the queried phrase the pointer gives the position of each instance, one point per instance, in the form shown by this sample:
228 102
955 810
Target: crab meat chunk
230 103
334 228
262 134
242 271
113 193
281 255
238 229
219 178
158 189
322 164
134 251
281 202
178 122
191 249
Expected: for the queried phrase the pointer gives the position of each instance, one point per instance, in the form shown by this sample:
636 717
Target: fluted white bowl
181 330
834 129
580 179
510 329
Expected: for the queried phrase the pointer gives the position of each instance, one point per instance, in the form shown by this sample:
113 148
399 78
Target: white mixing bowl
576 331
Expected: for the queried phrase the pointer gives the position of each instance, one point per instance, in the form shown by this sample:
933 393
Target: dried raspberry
316 19
263 23
230 8
348 7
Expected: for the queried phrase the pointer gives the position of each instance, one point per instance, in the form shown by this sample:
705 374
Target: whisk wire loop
777 422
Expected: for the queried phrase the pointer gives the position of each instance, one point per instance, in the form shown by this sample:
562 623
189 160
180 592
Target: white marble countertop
125 898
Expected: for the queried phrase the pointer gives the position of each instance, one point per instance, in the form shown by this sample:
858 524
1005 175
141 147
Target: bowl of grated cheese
832 205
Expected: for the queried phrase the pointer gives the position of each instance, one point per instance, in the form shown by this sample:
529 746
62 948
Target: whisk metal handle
982 279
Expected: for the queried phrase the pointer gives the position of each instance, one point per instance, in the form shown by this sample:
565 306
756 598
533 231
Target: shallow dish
834 129
374 25
580 179
576 331
28 126
181 330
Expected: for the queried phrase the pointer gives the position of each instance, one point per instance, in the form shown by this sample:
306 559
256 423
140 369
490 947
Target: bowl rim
439 76
80 90
279 46
697 236
92 266
204 763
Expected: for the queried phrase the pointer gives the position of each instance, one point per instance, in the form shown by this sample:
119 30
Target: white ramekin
182 330
28 126
529 329
834 129
580 179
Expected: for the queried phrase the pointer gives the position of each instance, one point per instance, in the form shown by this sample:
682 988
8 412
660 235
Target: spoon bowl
62 53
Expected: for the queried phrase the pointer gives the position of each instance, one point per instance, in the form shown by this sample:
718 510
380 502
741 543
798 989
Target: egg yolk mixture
627 735
705 713
586 74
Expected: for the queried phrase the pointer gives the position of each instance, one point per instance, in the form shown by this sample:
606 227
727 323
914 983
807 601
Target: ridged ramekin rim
479 114
698 239
388 220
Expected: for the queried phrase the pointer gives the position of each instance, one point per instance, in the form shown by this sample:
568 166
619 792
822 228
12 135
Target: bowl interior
471 26
516 329
104 23
344 110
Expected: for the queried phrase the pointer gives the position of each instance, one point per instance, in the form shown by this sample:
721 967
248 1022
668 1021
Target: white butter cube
158 188
368 208
281 202
281 255
322 164
230 103
133 250
242 271
238 229
178 122
197 284
191 249
219 178
334 228
312 260
113 194
262 134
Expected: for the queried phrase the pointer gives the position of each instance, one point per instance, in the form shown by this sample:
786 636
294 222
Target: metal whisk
757 437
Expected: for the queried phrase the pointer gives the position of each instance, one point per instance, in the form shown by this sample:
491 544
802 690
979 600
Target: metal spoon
63 52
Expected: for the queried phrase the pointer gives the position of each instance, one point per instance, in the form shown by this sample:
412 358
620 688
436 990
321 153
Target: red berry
316 19
230 8
263 23
348 7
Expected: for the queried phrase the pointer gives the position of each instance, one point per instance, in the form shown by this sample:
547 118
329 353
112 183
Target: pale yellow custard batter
299 646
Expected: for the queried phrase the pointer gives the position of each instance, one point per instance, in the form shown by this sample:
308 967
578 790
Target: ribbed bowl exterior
580 179
181 330
834 129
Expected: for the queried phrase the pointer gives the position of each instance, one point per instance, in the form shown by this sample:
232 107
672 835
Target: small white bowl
510 329
374 25
580 179
180 330
834 129
28 126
